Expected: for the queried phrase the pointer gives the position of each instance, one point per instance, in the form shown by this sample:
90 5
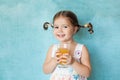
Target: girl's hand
64 59
67 59
58 57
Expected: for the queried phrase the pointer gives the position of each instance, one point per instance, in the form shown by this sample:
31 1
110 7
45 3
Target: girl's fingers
59 59
68 59
58 54
66 54
63 59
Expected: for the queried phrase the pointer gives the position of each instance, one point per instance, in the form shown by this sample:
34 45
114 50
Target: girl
65 25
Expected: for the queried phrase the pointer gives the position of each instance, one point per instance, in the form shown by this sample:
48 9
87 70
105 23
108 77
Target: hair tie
46 25
88 25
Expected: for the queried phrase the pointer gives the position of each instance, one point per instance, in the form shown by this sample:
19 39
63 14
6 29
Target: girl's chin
61 39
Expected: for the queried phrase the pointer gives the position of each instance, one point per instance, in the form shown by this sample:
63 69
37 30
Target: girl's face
63 29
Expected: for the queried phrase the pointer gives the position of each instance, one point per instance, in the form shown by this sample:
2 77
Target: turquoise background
24 43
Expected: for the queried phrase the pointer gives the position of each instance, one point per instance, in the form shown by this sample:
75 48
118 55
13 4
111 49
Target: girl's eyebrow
66 25
61 25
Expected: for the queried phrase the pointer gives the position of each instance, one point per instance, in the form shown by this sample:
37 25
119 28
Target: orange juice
63 51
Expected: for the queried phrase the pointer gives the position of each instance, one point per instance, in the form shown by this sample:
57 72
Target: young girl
65 26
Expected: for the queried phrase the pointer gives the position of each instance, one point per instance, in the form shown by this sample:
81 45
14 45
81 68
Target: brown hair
73 19
68 14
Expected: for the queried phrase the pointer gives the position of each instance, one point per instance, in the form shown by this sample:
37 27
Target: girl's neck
69 42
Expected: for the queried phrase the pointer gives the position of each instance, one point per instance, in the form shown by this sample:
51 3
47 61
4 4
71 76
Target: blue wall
23 46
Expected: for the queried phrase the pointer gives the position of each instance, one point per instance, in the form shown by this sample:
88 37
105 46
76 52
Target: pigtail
46 25
88 25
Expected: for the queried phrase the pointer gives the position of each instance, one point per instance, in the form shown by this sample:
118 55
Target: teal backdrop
24 43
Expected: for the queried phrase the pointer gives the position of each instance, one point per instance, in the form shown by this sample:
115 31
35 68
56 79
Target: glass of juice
63 49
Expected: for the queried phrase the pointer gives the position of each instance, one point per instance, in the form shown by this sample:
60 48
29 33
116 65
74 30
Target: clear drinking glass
63 49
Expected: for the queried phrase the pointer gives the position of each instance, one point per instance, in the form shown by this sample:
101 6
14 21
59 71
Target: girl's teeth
61 35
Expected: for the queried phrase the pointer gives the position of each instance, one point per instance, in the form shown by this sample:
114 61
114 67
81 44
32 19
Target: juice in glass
63 49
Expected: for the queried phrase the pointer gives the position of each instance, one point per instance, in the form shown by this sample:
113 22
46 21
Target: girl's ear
76 29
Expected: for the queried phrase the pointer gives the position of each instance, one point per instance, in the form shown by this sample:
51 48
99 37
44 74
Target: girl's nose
60 29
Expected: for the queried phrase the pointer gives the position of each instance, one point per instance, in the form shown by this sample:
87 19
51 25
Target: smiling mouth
60 35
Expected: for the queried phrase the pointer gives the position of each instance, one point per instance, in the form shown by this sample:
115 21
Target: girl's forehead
60 20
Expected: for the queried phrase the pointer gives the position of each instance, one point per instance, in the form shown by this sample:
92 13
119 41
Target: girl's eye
56 27
65 26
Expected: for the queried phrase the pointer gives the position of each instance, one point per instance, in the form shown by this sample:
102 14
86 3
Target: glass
62 49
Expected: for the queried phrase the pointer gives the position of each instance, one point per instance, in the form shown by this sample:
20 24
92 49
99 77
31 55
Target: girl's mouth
60 35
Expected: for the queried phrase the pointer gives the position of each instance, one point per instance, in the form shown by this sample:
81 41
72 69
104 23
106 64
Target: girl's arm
50 62
83 68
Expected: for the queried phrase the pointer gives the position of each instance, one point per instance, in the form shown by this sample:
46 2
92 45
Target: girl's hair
68 14
73 19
